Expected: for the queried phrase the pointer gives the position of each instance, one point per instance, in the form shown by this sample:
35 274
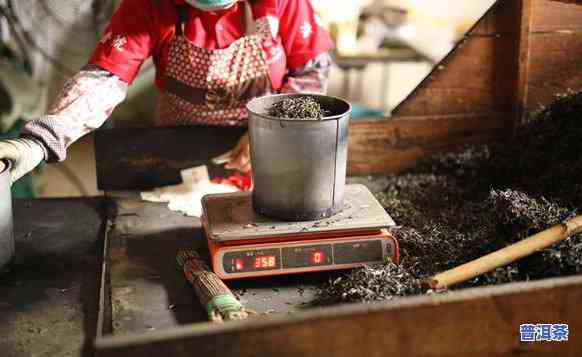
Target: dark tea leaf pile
453 208
305 108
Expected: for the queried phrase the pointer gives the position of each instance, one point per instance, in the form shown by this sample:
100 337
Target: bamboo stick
506 255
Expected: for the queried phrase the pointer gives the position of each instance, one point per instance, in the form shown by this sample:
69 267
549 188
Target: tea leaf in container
306 108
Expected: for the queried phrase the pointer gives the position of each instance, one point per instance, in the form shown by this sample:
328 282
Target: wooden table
153 311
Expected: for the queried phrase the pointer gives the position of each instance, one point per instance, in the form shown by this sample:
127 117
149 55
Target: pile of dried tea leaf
305 108
456 207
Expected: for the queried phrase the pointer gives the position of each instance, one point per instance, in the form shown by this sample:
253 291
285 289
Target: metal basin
299 166
6 230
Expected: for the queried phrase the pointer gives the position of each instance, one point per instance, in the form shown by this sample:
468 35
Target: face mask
211 5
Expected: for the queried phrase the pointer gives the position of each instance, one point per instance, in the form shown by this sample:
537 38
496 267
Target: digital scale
244 244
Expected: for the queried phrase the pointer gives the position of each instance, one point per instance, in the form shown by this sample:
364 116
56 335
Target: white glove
24 154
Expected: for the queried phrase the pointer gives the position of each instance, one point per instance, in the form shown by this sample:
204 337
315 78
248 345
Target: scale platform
244 244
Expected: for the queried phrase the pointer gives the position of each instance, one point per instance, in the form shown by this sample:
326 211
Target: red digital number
317 257
238 264
265 262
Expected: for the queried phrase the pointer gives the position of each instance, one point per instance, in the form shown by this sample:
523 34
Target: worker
211 58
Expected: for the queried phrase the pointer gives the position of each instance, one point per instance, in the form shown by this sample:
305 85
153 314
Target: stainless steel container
6 230
299 166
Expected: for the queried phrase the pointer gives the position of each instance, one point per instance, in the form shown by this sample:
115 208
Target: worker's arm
307 47
91 95
83 105
310 78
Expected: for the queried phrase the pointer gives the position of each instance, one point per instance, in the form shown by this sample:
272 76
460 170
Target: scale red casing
243 244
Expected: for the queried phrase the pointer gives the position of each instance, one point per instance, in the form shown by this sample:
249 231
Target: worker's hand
240 158
24 154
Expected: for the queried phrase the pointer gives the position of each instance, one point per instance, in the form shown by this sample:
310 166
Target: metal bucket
299 166
6 229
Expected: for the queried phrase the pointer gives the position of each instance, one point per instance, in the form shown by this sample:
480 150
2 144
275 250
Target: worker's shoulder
281 6
153 7
153 3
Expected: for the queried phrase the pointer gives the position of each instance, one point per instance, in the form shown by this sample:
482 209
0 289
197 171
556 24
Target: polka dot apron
212 87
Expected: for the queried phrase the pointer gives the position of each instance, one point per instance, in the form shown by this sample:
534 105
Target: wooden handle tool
506 255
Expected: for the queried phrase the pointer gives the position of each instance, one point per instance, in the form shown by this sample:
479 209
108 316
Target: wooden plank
498 20
552 16
142 158
555 66
374 146
547 16
476 322
382 56
478 76
395 144
524 50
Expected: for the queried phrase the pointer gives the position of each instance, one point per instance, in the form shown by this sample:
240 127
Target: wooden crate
476 322
148 309
513 60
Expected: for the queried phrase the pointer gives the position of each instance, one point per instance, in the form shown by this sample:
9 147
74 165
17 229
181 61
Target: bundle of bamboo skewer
215 296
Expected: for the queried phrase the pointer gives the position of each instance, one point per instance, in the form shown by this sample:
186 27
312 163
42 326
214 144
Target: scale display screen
252 260
308 255
303 256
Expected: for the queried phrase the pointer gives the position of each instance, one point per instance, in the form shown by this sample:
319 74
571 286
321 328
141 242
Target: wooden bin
516 58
